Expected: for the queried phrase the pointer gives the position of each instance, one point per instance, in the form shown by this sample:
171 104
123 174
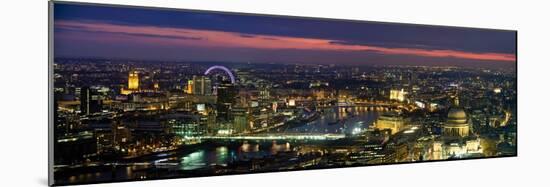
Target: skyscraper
90 102
240 120
227 94
202 85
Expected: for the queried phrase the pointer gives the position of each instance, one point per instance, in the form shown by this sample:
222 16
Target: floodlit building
457 124
133 83
186 125
392 121
456 140
133 80
398 95
189 87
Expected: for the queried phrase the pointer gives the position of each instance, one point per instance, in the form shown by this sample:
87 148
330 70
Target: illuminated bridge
278 136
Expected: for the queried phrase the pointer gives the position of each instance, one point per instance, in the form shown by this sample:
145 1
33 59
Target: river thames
212 157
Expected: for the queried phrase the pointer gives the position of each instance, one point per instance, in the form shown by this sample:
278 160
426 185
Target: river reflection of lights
221 150
356 131
129 171
193 161
221 154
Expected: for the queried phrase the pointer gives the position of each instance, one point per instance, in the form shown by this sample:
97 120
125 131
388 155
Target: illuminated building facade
133 83
156 86
457 124
392 121
189 87
186 125
133 80
437 151
398 95
456 140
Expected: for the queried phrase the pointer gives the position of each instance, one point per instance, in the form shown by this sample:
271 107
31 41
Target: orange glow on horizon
208 38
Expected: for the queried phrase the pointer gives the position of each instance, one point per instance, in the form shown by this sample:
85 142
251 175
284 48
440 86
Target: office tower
202 85
90 101
240 120
226 97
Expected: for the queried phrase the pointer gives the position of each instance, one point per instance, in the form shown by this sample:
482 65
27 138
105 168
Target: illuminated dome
456 113
457 123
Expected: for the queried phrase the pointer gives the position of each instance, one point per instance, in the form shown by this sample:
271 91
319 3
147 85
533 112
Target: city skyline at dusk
143 93
115 32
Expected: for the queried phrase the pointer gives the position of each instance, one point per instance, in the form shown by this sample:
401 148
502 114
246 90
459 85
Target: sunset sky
156 34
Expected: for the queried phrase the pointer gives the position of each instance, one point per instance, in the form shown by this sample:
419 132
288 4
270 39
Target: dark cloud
387 35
